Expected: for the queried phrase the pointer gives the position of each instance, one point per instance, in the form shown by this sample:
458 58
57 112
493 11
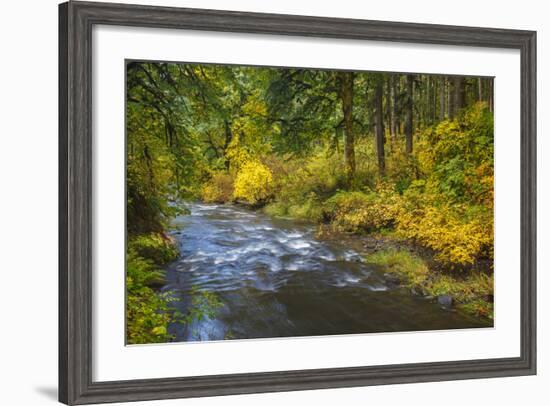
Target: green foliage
148 312
402 168
456 156
159 248
300 185
322 174
305 105
203 304
276 209
147 315
308 209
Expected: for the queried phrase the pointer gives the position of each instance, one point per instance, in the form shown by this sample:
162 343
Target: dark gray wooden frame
75 203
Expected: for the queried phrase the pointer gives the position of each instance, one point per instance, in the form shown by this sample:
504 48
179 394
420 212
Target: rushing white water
276 279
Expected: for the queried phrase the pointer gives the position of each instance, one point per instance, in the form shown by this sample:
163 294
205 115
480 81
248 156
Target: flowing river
275 279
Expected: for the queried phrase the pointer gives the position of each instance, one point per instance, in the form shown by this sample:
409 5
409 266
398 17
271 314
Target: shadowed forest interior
364 199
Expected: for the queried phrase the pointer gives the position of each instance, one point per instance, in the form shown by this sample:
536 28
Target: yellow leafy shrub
456 239
358 211
253 183
255 106
219 189
236 153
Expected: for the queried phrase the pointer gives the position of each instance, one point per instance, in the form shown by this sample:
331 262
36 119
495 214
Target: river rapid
275 279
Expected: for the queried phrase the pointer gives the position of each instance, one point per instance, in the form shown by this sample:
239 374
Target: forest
402 164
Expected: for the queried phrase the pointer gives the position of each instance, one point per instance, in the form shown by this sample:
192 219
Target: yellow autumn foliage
458 234
253 183
236 154
359 211
444 229
219 188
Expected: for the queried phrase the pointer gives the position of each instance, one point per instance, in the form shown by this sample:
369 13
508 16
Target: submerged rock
445 300
392 280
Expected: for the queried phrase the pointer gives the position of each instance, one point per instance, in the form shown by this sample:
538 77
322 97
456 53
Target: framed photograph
257 202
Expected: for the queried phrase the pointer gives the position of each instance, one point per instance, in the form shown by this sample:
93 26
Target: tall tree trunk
491 95
395 102
346 95
451 98
480 89
228 139
409 115
442 98
434 100
416 104
459 93
393 110
428 119
387 102
379 124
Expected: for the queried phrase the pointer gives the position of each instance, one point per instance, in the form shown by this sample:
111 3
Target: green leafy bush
149 312
301 184
147 315
157 247
456 156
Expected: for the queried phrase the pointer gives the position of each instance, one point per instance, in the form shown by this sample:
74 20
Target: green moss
471 292
411 269
468 289
479 307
